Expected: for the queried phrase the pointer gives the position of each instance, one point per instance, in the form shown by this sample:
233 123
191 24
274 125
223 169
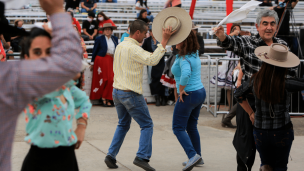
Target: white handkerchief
239 14
15 4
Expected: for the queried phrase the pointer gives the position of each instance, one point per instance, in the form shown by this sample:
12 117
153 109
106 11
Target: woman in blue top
187 73
102 59
49 118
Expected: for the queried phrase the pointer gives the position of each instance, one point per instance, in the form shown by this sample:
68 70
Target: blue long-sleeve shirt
187 74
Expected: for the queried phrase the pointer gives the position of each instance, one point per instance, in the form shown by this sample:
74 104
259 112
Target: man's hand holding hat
167 33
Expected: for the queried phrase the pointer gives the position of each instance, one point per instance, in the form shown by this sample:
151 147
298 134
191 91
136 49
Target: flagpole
229 9
192 8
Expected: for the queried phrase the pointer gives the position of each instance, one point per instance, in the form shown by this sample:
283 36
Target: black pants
243 140
72 4
50 159
245 167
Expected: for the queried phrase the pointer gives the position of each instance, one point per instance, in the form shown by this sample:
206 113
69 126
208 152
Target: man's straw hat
178 19
277 55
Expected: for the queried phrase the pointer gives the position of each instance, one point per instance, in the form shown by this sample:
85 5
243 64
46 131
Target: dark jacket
200 40
147 45
101 46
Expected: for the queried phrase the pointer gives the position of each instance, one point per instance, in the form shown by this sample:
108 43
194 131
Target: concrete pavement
217 149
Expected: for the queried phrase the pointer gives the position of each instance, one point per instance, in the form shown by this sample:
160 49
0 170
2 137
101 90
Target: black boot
110 162
157 101
142 163
164 100
226 122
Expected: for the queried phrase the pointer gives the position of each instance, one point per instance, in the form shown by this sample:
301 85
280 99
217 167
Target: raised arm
38 77
152 59
148 58
230 43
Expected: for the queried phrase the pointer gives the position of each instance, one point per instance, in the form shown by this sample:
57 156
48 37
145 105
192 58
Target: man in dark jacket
200 39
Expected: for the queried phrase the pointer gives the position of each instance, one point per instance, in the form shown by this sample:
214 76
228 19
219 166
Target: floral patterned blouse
49 121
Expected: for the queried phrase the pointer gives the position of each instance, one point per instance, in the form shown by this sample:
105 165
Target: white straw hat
178 19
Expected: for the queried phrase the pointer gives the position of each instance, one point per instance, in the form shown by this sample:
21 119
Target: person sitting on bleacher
15 38
88 5
73 4
102 19
90 27
143 16
140 5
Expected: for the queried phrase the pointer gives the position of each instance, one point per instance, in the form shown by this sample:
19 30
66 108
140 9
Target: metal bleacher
207 14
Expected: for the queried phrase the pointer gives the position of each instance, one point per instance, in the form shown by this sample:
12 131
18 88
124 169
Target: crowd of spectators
93 26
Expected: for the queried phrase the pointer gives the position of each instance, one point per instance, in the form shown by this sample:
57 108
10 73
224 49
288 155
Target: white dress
225 72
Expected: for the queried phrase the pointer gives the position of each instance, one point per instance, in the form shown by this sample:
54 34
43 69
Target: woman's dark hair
143 3
233 27
141 18
269 83
190 45
104 16
27 41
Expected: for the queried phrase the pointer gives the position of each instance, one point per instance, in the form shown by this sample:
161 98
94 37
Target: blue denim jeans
132 105
185 117
274 147
85 11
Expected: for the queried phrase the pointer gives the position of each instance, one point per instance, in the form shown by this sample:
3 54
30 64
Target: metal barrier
215 112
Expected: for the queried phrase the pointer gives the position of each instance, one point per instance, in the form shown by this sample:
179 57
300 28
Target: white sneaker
198 164
192 162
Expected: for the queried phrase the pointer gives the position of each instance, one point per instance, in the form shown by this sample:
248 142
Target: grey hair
267 13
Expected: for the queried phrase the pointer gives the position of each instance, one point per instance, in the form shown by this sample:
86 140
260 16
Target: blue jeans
274 147
132 105
85 11
185 117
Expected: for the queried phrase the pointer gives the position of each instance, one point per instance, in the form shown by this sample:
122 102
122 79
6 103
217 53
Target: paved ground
217 149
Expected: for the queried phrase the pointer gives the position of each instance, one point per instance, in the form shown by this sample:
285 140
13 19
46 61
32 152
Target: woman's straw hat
178 19
107 25
277 55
